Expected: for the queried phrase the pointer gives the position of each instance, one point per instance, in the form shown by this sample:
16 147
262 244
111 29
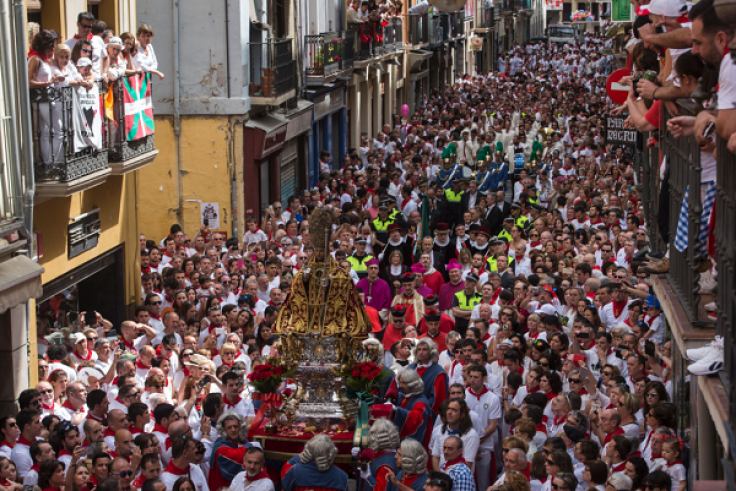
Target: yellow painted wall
109 12
172 187
116 199
53 16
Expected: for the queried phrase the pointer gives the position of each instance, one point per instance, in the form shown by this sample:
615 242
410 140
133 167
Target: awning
20 280
269 134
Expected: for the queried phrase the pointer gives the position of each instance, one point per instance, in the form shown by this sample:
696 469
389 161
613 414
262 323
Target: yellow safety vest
505 235
358 264
493 263
522 221
452 196
467 303
380 225
394 214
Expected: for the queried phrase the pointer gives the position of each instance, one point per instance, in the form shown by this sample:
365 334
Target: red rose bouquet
267 378
365 375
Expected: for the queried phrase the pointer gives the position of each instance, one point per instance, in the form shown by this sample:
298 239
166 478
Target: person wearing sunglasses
564 481
10 432
120 470
85 21
558 462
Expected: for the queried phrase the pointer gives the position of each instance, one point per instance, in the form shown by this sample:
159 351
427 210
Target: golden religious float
322 326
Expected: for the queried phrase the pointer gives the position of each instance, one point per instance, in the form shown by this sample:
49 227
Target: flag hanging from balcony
86 118
138 106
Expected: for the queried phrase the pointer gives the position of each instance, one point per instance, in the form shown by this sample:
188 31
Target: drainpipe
19 102
177 114
9 95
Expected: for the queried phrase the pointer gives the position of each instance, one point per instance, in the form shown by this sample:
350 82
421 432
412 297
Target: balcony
324 52
376 40
447 23
484 19
348 49
131 134
271 72
418 30
69 157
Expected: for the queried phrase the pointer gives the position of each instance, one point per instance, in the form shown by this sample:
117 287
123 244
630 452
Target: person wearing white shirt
29 424
488 406
183 456
457 420
254 477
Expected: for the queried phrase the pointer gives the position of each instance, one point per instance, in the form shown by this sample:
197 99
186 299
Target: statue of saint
323 297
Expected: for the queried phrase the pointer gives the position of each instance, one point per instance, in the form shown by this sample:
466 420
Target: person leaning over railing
145 57
49 67
119 66
83 50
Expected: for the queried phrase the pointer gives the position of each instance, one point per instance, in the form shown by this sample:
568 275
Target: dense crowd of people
499 246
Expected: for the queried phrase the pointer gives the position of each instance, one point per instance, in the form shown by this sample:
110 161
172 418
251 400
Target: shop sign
84 233
618 133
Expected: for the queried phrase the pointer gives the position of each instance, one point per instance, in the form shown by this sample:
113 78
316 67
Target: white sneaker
710 307
711 363
697 354
707 283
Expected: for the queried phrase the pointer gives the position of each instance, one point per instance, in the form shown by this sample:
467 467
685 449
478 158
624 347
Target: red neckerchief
261 475
6 443
108 432
134 430
229 404
494 297
33 53
23 441
160 429
87 358
520 371
68 405
89 36
212 327
619 468
627 322
36 467
48 408
63 452
238 353
550 395
526 471
129 345
559 419
655 457
154 316
140 365
486 337
146 269
582 392
459 460
532 391
478 395
610 436
652 319
186 371
172 469
542 427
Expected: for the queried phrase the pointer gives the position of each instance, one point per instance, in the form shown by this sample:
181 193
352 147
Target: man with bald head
75 407
124 443
116 421
120 469
93 432
177 429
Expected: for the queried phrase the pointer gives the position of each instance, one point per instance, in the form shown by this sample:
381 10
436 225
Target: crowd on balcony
95 54
499 246
360 11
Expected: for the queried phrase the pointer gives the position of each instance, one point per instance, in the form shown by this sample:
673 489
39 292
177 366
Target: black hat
398 310
472 277
573 434
408 277
432 315
431 299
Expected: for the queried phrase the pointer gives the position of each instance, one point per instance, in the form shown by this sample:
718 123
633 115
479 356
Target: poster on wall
621 11
210 214
554 4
